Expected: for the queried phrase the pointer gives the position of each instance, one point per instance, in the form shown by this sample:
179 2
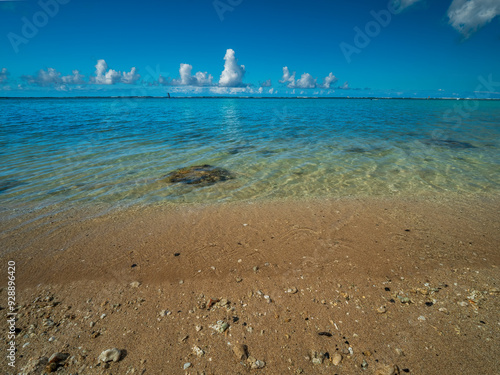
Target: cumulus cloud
267 83
467 16
52 77
186 79
329 80
287 77
4 75
306 81
75 79
44 78
103 76
232 75
131 77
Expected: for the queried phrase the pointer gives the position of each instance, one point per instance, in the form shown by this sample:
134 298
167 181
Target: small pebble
337 358
58 357
240 351
387 370
198 351
328 334
258 364
110 355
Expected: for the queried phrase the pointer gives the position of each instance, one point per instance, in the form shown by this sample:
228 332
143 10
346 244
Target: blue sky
412 48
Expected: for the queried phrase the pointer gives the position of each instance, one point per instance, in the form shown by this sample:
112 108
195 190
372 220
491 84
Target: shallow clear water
118 150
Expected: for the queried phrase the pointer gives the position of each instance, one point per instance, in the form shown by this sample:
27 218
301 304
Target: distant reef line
239 97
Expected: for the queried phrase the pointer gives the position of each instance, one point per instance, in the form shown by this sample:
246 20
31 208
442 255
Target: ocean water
118 151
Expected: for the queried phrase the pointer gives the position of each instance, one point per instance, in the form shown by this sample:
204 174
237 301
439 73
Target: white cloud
329 80
131 77
306 81
267 83
44 78
103 76
4 75
231 90
52 77
467 16
287 77
186 79
232 75
75 79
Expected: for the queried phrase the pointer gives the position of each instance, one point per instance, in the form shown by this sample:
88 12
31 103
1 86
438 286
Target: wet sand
394 285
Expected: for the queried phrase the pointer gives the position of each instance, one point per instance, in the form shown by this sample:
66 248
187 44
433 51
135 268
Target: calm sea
87 151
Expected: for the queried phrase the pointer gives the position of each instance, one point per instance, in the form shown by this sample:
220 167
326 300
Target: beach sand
398 285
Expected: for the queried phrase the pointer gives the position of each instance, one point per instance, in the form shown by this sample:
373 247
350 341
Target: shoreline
141 279
81 233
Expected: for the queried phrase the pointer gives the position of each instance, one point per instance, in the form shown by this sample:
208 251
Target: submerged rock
448 143
199 174
10 184
356 150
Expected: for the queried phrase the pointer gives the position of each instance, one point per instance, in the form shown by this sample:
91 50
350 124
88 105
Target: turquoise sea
118 151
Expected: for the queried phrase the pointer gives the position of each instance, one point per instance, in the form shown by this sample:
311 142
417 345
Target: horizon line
243 97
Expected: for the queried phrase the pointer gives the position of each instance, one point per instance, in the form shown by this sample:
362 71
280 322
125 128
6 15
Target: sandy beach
239 187
337 286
